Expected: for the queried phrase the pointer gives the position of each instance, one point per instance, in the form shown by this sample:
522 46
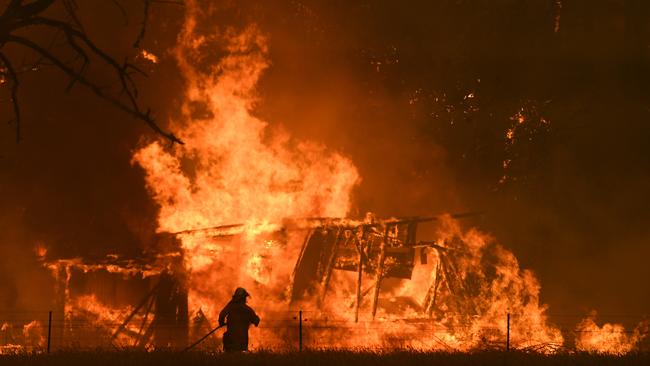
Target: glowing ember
40 250
149 56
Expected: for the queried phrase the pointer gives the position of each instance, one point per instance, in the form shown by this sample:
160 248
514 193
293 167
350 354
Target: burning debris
29 339
461 291
608 338
373 279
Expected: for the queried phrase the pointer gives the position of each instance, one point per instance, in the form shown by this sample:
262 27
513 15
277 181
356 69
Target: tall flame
233 169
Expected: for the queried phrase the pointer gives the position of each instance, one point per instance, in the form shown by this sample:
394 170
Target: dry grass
319 358
316 358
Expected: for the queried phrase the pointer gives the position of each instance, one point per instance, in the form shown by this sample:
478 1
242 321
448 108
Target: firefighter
237 316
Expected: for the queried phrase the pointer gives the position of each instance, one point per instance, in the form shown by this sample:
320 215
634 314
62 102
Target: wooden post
151 296
359 277
49 331
430 300
380 273
330 266
508 334
300 330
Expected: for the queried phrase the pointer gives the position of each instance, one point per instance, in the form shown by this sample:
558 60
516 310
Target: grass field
319 358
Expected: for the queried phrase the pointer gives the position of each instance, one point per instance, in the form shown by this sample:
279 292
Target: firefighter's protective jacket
238 317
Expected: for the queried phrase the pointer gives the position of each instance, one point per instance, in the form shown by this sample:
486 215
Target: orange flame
233 169
88 308
608 338
34 335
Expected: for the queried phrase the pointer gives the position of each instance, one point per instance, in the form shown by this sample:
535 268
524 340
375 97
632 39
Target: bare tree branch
16 9
143 25
71 9
14 92
145 17
133 109
18 15
122 10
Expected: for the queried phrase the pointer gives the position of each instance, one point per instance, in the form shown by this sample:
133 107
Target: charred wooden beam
144 319
380 272
171 312
125 323
145 339
452 282
360 247
330 265
432 294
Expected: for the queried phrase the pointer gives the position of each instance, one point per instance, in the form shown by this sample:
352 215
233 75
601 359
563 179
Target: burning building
294 244
372 275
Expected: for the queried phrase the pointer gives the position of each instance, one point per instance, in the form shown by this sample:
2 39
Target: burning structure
373 280
334 259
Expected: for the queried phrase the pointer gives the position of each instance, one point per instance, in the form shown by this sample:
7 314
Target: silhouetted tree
19 16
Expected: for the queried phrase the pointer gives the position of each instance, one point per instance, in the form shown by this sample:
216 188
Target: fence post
49 331
300 330
508 334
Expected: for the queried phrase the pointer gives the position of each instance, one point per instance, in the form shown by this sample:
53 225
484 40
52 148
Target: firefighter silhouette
238 317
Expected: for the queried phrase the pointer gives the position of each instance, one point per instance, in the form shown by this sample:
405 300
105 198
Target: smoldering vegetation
315 357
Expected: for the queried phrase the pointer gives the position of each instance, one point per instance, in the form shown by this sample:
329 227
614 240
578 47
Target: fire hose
203 338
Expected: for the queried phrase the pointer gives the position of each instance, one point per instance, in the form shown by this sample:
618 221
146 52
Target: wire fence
43 331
